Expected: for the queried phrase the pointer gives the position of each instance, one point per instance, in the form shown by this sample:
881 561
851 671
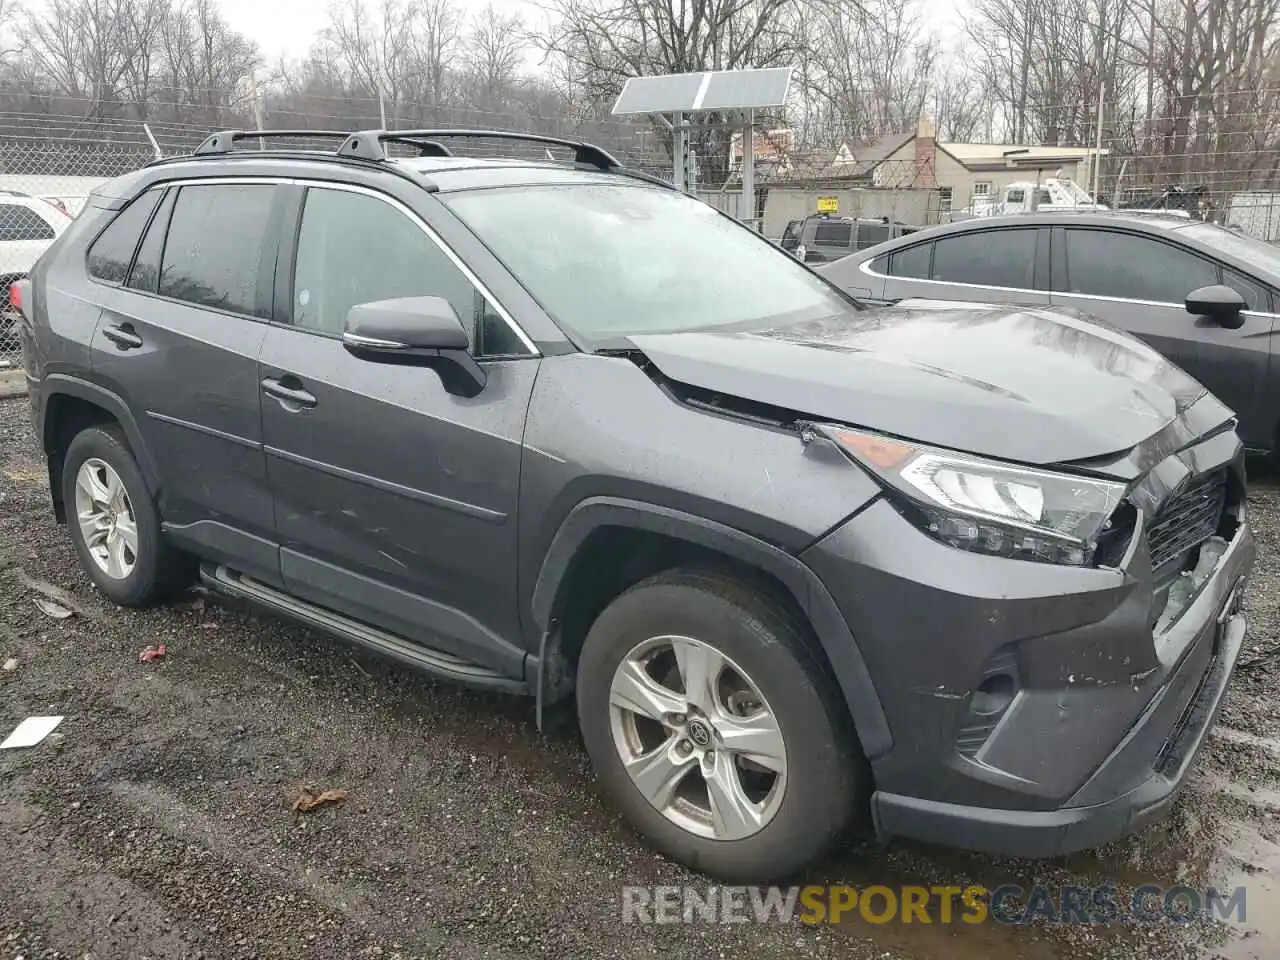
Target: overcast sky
288 26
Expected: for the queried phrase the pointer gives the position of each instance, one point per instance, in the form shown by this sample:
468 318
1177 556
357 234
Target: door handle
122 336
287 394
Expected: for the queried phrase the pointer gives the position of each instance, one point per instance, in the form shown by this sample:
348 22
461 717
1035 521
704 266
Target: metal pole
1097 154
259 111
677 149
748 212
154 146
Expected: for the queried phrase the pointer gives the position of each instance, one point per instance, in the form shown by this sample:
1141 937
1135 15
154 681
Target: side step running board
435 662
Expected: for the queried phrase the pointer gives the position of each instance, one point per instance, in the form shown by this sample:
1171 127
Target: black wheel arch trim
815 601
59 384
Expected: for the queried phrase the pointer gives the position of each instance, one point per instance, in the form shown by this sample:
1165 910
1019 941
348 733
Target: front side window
991 258
111 254
215 244
354 248
611 260
1105 264
1255 295
1016 196
20 223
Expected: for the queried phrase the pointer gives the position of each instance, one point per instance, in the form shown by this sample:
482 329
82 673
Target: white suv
28 225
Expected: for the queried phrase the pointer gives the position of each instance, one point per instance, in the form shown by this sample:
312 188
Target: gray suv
553 428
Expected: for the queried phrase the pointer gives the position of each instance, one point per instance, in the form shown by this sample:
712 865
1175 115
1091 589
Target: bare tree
495 47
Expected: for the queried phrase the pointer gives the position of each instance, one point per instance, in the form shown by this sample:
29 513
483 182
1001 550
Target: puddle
1223 834
1250 860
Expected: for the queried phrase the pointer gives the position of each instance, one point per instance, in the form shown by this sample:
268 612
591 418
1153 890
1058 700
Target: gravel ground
156 821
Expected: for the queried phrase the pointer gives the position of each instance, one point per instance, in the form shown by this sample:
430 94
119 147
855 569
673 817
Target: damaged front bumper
1034 709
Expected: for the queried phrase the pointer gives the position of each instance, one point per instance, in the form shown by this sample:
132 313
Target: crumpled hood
1031 385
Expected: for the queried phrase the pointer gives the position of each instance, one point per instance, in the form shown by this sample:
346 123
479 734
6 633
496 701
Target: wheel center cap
699 733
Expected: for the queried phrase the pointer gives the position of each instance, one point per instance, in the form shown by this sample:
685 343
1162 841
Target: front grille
1187 519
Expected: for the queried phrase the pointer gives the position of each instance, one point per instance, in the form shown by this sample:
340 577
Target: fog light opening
993 695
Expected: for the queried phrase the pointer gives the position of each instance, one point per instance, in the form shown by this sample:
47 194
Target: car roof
1261 262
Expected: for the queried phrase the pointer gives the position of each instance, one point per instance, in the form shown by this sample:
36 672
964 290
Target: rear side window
1107 264
112 252
833 234
20 223
992 258
869 234
913 262
215 244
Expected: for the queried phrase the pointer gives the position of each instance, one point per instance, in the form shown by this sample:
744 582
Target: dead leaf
152 653
10 665
306 799
51 609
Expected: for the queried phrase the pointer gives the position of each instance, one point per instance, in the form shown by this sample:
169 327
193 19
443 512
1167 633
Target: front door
1139 284
395 500
179 340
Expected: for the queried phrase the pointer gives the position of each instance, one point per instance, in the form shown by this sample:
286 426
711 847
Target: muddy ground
156 822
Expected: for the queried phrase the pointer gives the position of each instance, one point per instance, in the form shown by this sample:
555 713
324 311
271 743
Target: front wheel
713 727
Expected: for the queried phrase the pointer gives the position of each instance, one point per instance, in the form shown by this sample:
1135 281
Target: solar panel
747 89
666 94
692 92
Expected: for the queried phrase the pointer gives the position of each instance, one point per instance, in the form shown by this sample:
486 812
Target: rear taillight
19 294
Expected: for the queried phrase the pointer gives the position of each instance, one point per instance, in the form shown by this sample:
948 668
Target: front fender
814 600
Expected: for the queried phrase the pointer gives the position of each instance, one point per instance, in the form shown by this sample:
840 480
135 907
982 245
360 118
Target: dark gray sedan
1204 296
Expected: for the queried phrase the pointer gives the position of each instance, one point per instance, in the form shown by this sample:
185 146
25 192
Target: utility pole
1097 154
259 108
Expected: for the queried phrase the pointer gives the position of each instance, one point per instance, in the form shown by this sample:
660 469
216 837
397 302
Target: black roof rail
367 144
224 140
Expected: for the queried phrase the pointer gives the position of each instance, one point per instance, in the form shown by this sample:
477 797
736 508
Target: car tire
762 646
128 561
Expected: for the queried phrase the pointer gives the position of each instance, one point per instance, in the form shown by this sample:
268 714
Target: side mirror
415 331
1219 303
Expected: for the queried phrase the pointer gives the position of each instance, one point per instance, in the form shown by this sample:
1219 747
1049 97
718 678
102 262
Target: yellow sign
828 204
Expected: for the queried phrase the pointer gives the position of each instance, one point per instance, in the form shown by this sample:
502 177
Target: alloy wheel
106 519
697 738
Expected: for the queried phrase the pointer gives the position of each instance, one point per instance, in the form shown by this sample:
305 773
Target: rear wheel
711 724
114 524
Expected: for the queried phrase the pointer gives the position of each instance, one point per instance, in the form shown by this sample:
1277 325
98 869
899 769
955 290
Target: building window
982 190
944 199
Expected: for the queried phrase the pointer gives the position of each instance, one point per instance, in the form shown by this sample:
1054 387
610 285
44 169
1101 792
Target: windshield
612 260
1262 255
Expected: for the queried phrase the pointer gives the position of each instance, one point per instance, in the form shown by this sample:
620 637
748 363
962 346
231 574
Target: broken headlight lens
988 507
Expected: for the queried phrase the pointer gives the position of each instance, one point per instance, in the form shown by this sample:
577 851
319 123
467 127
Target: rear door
991 266
179 338
1139 283
395 500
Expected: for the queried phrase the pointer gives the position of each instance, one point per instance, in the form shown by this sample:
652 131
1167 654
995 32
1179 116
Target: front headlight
989 507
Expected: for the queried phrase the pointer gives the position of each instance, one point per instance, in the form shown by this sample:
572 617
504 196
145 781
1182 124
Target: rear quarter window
111 254
912 262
